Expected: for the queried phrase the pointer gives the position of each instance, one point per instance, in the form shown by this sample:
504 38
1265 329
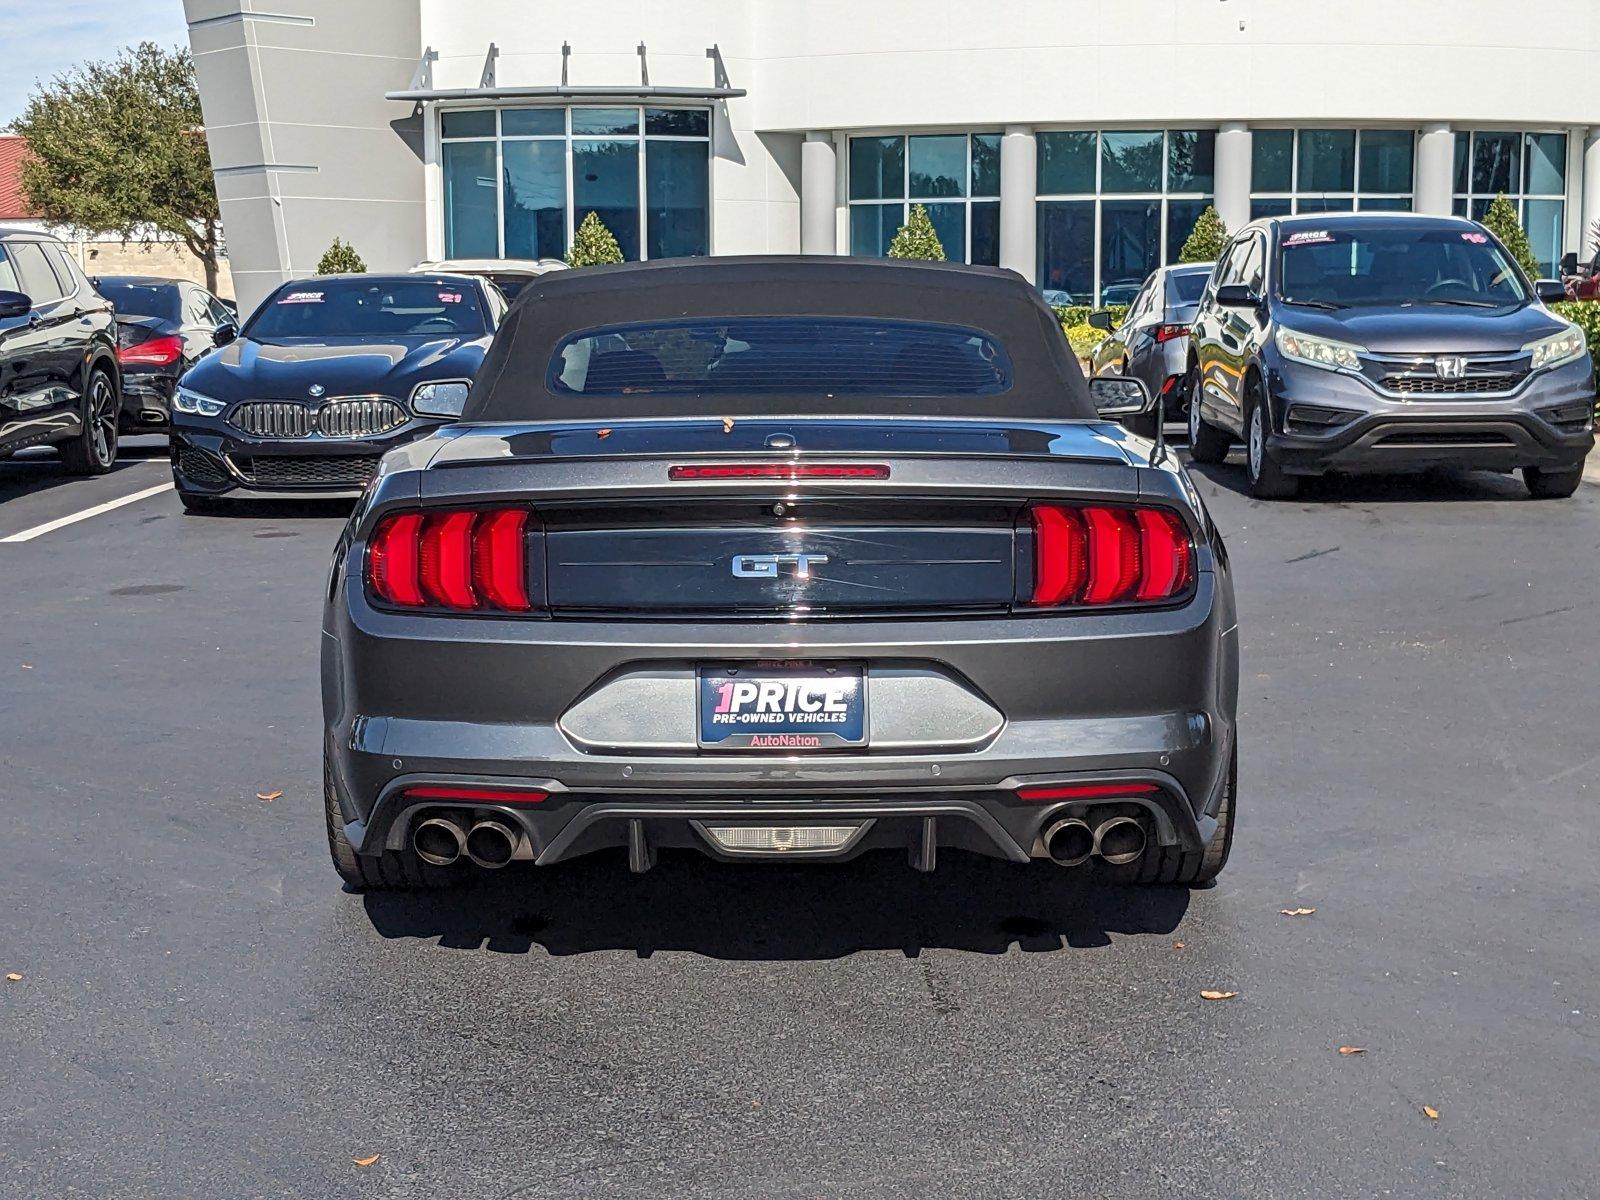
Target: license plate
783 706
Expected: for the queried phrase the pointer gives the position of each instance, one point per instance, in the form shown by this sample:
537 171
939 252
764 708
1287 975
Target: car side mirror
225 333
15 304
1550 291
1119 396
1100 320
1237 295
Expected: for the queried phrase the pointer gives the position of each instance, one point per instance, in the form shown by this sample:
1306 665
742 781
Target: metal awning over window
421 88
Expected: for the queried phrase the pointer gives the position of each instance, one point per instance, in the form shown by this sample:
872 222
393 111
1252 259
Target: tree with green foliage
593 245
917 238
1207 239
341 259
1502 221
118 148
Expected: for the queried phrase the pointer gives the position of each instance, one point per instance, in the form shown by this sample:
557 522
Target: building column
819 185
1591 195
1234 166
1434 189
1019 181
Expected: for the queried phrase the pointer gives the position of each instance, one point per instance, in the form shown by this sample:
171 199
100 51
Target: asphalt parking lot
203 1012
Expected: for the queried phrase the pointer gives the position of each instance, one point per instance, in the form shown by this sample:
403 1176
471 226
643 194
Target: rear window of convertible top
780 356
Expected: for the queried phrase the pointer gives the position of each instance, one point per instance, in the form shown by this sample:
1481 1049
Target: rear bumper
1123 697
147 400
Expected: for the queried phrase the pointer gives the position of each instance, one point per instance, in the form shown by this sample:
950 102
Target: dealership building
1074 141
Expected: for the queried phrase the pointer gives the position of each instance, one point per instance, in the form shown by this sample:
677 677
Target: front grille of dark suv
1412 385
353 417
322 470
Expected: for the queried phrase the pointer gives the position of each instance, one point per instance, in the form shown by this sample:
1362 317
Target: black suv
1383 341
59 382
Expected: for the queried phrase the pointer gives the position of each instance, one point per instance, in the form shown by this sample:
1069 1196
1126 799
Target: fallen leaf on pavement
1211 995
1352 1049
602 433
1297 912
727 424
14 976
268 795
1430 1112
366 1162
1177 945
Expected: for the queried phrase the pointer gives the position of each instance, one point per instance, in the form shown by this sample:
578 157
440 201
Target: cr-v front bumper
433 703
1325 421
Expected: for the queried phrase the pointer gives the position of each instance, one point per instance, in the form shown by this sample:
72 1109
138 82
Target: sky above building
43 38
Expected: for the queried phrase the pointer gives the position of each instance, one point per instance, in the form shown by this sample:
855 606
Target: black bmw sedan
328 374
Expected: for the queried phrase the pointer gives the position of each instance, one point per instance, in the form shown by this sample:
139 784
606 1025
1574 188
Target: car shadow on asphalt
779 912
1334 490
34 472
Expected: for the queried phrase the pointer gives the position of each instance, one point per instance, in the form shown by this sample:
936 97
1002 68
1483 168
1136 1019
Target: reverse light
157 352
464 560
1096 555
1317 352
784 471
1558 349
1085 791
186 401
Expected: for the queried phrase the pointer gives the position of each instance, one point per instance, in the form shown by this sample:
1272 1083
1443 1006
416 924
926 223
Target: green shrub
917 238
1207 239
1502 221
593 245
1084 338
341 259
1078 314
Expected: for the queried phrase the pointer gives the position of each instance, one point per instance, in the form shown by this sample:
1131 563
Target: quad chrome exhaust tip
490 844
1119 841
1069 843
438 841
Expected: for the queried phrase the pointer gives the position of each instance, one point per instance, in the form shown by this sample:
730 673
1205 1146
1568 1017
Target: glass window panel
1066 163
1325 204
605 181
1463 149
1066 249
986 164
1271 208
1386 204
1480 207
1130 243
1130 162
1544 221
872 228
939 166
533 122
1496 163
1272 160
677 122
624 121
535 199
1386 160
1547 164
1460 206
950 223
877 168
1191 160
678 198
985 233
1181 216
476 122
471 222
1327 161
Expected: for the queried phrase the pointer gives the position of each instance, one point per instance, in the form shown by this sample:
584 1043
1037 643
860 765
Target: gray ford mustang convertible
780 559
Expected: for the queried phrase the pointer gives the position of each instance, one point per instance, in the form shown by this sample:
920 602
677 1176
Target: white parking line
27 535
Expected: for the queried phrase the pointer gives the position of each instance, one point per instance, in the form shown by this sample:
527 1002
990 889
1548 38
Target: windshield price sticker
449 297
1309 237
1477 239
302 298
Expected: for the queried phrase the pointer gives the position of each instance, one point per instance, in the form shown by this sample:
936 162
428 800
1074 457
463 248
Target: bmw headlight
1318 352
187 401
440 399
1558 349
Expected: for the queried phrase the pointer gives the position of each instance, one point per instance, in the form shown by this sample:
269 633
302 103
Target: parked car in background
164 327
510 275
1056 298
1121 292
59 380
324 377
1152 343
1381 342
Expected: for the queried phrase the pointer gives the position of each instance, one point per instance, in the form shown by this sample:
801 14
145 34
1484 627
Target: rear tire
391 871
1207 443
1552 485
1268 481
93 451
1195 868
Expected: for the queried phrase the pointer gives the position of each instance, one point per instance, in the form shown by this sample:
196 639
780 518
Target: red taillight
783 471
1086 791
1100 555
1170 333
477 794
465 560
157 352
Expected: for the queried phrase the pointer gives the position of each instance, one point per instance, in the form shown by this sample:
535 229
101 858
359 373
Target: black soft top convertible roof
514 382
